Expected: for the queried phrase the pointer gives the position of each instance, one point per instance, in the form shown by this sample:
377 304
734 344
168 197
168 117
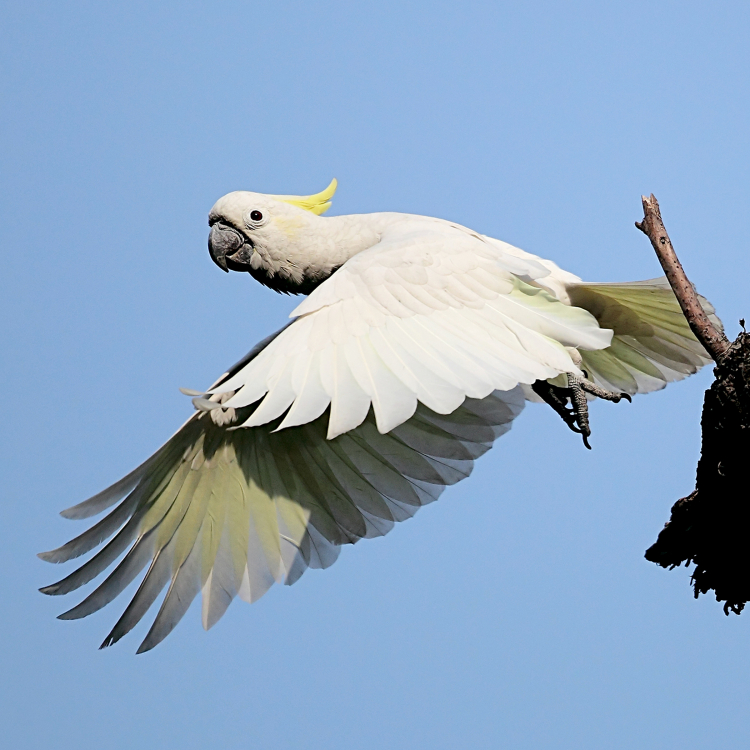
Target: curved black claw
576 417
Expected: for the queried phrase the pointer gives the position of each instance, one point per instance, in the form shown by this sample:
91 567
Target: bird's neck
318 249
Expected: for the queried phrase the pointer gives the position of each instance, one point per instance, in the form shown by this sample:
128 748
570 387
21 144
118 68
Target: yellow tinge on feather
317 204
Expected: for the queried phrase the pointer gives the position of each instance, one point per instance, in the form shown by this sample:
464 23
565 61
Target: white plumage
412 353
431 313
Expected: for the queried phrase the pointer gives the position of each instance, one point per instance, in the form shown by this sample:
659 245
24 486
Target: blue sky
518 612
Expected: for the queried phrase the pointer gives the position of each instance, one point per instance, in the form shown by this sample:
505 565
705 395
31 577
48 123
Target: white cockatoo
416 347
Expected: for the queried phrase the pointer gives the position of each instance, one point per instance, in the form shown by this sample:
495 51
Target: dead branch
714 342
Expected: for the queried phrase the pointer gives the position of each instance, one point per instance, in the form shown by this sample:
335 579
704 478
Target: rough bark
715 342
709 527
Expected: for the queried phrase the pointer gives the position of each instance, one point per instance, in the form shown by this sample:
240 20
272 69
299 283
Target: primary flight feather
416 347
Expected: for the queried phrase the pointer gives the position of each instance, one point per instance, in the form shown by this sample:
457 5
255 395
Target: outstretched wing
231 511
652 343
431 314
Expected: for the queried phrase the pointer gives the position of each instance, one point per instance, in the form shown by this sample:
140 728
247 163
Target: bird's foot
220 415
577 415
588 387
557 397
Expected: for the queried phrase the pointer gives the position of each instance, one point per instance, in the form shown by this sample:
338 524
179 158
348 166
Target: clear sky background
517 612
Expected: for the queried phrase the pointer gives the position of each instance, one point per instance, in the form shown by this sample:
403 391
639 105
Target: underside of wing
229 512
652 343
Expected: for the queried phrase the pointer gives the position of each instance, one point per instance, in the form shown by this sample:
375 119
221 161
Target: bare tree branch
714 342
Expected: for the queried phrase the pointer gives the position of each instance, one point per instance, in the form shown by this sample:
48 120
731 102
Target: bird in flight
417 345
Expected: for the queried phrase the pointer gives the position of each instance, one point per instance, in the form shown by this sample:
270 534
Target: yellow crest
317 204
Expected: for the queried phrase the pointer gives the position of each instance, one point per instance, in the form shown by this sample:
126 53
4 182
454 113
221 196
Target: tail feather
652 343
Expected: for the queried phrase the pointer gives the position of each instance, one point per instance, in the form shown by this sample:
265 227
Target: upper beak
224 241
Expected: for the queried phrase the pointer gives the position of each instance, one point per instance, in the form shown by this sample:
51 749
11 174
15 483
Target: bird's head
250 230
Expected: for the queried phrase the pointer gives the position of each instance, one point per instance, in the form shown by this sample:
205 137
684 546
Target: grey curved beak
224 241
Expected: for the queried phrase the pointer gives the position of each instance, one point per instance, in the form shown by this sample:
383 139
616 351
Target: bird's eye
256 215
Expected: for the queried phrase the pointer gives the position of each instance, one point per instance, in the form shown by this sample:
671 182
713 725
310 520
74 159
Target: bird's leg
577 389
577 415
580 406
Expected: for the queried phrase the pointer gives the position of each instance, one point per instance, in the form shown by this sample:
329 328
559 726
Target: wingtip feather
67 615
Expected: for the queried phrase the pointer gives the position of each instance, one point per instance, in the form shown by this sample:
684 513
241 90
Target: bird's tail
652 343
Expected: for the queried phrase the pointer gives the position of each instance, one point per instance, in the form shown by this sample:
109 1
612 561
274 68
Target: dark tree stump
710 526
